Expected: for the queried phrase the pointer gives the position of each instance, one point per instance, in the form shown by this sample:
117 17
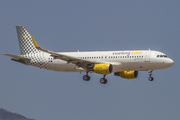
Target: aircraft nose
170 62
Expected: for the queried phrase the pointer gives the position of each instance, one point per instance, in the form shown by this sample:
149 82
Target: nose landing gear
150 73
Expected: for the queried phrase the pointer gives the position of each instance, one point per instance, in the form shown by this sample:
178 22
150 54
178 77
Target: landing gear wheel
103 81
151 78
86 78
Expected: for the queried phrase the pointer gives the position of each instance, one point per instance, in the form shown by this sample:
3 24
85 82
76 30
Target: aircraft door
147 56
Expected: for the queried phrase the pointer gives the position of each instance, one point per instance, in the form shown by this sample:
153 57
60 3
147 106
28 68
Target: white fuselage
125 64
139 60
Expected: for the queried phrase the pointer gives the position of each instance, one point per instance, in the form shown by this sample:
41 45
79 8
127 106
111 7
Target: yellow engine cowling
127 74
104 69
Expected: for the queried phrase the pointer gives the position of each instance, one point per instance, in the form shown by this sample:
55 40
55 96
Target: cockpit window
161 56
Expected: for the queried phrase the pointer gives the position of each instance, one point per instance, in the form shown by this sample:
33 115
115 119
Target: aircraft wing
17 57
69 59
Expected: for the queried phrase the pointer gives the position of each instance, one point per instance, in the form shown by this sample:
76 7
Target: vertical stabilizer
25 41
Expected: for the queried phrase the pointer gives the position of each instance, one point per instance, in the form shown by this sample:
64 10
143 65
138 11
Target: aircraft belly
134 66
66 67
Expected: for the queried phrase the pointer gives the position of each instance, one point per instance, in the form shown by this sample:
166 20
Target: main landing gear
150 73
86 77
103 80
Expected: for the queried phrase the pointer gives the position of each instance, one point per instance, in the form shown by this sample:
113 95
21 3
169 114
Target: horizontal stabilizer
18 57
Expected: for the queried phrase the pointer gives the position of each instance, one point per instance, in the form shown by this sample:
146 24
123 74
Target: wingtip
4 54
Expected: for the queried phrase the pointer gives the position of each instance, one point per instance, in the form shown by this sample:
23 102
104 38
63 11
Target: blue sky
91 26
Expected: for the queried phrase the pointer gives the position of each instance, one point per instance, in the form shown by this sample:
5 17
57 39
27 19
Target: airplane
124 64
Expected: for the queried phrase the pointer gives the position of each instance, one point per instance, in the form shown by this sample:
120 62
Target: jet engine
127 74
104 69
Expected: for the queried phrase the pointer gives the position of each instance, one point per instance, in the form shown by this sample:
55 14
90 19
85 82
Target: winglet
34 42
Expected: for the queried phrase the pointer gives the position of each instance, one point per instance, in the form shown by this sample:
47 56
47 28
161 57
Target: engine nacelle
104 69
127 74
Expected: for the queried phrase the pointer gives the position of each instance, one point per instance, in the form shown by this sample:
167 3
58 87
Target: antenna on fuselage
149 49
77 50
